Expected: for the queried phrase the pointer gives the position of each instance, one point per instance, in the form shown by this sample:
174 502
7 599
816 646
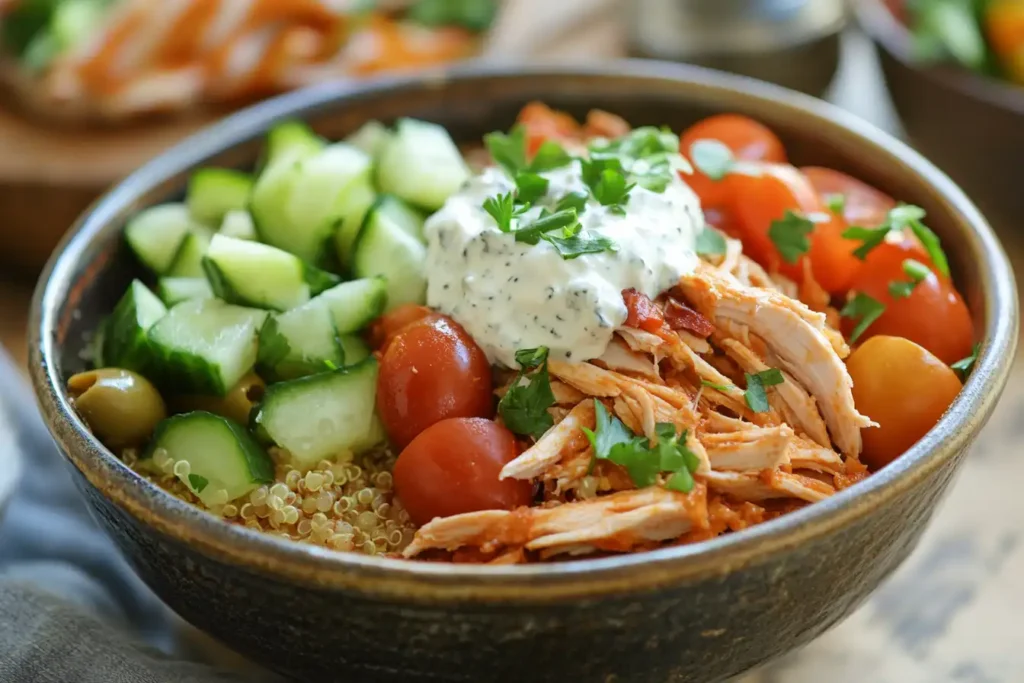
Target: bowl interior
85 279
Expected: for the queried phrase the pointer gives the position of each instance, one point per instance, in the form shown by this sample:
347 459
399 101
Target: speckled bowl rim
892 36
436 583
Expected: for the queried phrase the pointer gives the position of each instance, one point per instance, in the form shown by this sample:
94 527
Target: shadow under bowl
970 126
696 613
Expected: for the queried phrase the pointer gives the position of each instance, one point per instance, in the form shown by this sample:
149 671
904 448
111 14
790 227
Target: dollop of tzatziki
511 295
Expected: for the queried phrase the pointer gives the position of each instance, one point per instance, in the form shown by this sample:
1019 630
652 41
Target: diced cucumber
354 304
421 164
358 200
291 141
174 290
125 343
155 235
402 215
212 192
205 346
369 138
238 224
254 274
384 248
298 207
189 260
354 349
320 416
301 342
217 459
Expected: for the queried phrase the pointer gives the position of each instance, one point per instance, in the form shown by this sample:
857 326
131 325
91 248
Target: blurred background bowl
969 125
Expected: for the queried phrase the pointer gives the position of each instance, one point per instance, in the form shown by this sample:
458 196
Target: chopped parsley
964 366
330 365
712 158
836 202
574 242
916 271
869 237
572 200
710 242
550 156
756 396
863 309
560 220
524 407
607 181
900 218
530 187
473 15
613 441
198 482
503 210
274 346
790 234
508 151
720 387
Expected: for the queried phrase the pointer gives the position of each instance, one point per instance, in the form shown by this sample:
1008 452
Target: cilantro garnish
550 156
198 482
713 385
508 151
710 242
574 242
530 187
790 235
573 200
524 407
864 309
902 217
712 158
871 238
755 394
916 271
607 181
964 366
613 441
836 203
503 210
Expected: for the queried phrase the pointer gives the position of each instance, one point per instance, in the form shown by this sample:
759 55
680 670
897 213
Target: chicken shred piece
807 455
565 437
768 484
618 357
564 394
762 448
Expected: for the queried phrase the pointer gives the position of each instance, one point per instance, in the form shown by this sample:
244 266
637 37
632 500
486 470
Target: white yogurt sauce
511 295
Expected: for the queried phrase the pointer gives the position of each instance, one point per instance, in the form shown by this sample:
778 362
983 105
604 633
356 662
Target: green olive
235 405
121 407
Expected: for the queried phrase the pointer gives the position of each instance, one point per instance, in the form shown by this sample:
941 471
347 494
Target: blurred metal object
794 43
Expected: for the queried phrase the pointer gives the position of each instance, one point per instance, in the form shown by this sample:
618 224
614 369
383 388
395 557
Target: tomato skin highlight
864 206
933 316
432 370
452 467
384 328
902 387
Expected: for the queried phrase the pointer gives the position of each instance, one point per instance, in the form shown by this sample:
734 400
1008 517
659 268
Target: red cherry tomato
759 200
432 370
933 315
544 123
746 138
863 205
384 328
722 219
452 467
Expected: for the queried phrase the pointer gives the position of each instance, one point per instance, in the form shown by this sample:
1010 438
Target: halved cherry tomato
452 467
761 199
746 138
722 218
432 370
384 328
544 123
902 387
933 315
863 205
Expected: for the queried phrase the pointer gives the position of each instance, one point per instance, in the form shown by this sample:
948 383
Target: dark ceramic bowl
691 613
971 126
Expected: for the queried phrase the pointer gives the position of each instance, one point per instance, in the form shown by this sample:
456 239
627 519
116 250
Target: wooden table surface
951 613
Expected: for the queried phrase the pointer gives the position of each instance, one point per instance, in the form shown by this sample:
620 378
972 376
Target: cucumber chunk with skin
204 346
298 343
238 224
213 192
125 342
386 249
155 235
291 141
369 138
253 274
189 260
217 459
322 415
421 164
354 304
357 202
174 290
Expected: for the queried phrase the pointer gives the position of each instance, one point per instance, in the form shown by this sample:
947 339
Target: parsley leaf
502 209
871 238
473 15
607 181
916 271
508 151
330 365
900 218
274 346
930 242
864 309
550 156
524 407
710 242
530 187
609 431
572 200
198 482
712 158
836 202
755 394
720 387
532 233
790 235
964 366
578 243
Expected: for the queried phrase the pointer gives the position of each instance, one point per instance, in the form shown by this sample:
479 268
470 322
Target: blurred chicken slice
565 437
617 522
595 381
807 455
796 335
794 403
756 486
618 357
762 448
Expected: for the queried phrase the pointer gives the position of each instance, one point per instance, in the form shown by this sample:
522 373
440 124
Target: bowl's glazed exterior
971 126
690 613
